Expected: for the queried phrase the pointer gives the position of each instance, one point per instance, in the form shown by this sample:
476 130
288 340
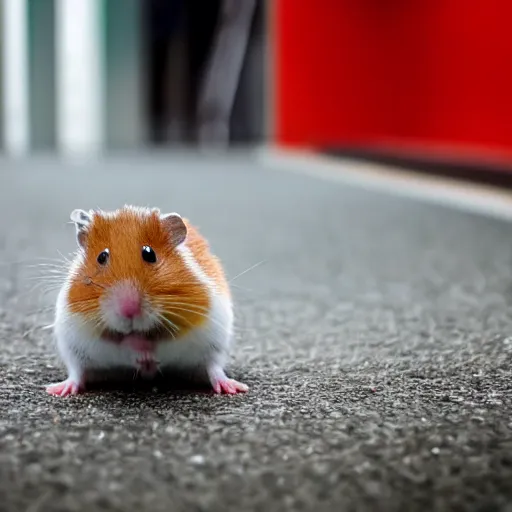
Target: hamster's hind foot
221 383
65 388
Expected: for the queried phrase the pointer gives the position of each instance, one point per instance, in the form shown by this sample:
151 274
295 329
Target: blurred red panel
424 73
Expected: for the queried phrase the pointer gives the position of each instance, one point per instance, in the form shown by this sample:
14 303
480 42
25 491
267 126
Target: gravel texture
374 338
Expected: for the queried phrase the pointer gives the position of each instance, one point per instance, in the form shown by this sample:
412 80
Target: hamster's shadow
128 383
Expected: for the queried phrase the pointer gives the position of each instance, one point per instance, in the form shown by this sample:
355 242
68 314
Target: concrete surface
374 338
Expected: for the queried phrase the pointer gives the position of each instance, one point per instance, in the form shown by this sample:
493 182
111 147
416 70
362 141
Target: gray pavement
374 338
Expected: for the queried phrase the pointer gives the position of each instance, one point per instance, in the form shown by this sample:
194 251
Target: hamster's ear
175 226
82 220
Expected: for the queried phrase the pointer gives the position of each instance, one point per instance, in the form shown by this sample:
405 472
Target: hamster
144 292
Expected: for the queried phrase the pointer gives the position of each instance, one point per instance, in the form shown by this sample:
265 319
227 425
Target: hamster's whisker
96 325
48 278
54 271
45 283
57 266
167 321
85 311
79 318
93 320
199 313
180 303
38 283
64 258
171 308
91 300
40 310
185 285
39 288
32 262
196 307
160 316
56 260
180 284
172 333
48 274
175 305
256 265
241 287
99 321
166 301
169 326
86 306
192 308
174 313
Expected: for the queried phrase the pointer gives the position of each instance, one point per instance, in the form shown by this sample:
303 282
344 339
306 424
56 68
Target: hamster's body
144 293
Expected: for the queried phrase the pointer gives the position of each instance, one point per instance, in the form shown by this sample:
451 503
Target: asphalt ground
374 336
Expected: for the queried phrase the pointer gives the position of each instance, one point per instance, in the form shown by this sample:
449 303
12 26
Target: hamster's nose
126 300
130 306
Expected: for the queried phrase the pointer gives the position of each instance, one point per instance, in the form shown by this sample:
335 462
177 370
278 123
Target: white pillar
15 77
80 80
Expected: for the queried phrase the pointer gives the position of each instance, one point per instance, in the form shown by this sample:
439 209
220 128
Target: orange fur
166 282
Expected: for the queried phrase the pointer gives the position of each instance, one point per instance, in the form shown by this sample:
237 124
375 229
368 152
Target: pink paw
147 366
65 388
229 386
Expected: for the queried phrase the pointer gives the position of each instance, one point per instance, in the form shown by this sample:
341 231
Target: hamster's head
131 275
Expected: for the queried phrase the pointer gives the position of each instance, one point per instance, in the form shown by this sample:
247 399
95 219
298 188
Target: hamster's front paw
221 383
229 386
65 388
147 366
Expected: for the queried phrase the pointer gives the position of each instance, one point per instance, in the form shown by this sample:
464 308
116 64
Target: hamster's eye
148 254
103 257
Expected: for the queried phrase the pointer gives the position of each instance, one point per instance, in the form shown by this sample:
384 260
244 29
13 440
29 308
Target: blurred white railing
78 81
79 67
15 85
